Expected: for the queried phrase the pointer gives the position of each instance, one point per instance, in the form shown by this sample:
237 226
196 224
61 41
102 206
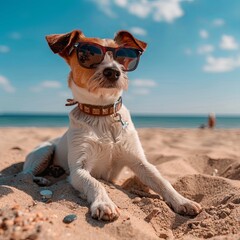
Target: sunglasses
90 55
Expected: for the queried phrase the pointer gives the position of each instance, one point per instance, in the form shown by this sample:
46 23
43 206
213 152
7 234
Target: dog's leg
151 177
37 161
102 207
81 159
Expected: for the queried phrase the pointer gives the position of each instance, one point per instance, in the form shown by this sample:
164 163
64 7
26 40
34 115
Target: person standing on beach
211 120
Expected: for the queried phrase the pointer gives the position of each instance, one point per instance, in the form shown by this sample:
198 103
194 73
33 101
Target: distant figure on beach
211 120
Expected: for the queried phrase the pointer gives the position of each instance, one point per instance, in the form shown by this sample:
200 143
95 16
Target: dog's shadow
62 190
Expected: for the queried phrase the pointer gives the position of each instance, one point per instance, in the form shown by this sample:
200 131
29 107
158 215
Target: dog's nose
112 74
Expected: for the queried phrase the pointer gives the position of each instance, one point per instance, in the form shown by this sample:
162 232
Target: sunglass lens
89 55
128 58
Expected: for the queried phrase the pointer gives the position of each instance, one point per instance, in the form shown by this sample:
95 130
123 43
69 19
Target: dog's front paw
186 207
104 210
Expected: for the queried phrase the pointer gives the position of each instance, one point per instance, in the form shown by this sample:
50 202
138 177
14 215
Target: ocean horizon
140 121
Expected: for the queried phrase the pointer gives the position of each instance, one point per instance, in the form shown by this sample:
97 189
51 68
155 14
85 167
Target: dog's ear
127 39
61 43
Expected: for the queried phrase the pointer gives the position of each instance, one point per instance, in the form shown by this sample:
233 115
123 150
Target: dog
101 139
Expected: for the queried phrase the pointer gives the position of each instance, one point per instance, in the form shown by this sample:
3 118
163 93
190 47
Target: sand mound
220 198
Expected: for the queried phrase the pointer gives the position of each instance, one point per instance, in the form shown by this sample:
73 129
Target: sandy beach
203 165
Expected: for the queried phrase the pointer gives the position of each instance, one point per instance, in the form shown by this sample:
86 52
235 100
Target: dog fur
98 147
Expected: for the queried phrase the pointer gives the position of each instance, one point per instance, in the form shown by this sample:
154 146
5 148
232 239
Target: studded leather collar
96 110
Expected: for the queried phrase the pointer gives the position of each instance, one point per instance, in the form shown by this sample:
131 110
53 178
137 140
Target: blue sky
191 66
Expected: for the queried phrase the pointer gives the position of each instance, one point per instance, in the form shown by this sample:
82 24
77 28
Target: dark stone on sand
16 148
236 200
70 218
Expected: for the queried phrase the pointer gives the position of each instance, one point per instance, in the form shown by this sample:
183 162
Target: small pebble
136 200
166 234
236 200
46 193
203 224
215 172
70 218
224 213
46 196
163 235
16 148
225 199
212 212
193 225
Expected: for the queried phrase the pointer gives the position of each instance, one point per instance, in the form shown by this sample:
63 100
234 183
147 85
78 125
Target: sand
203 165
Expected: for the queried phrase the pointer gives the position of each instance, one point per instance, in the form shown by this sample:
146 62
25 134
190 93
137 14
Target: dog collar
101 111
96 110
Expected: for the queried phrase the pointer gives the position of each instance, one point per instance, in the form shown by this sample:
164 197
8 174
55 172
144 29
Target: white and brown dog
101 139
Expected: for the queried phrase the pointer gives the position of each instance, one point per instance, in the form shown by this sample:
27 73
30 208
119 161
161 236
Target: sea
140 121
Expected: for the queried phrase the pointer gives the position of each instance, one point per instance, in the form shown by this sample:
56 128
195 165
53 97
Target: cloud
6 85
203 34
4 49
167 10
218 22
144 83
205 49
138 31
46 85
51 84
159 10
105 6
228 43
121 3
142 86
141 9
219 65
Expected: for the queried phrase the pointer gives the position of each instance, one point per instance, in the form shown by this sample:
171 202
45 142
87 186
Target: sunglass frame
104 50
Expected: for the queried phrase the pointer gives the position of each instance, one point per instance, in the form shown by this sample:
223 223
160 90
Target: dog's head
97 65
